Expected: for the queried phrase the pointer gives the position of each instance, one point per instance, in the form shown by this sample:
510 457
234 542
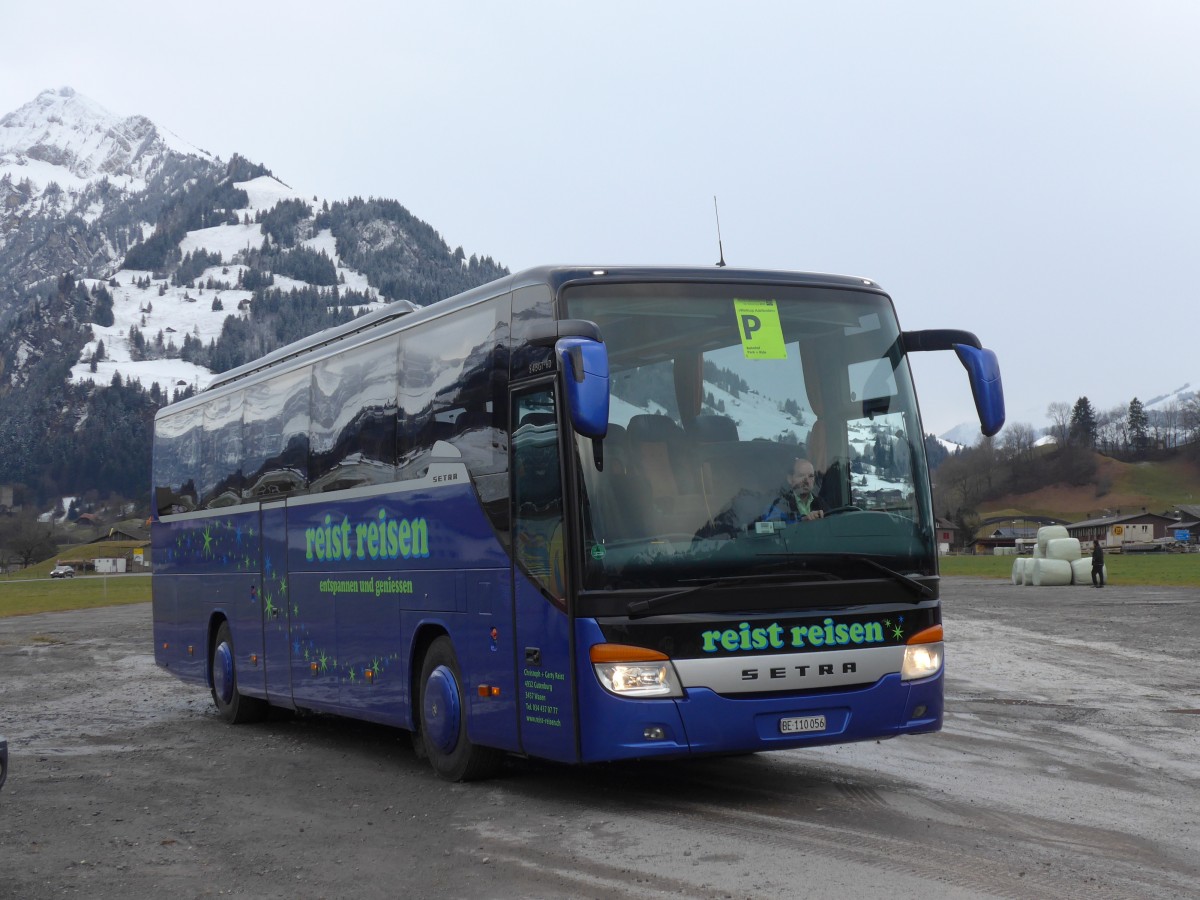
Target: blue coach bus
533 519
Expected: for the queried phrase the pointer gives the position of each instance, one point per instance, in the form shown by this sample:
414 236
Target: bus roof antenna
720 246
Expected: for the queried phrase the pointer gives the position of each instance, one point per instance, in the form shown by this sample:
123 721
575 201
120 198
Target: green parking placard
760 329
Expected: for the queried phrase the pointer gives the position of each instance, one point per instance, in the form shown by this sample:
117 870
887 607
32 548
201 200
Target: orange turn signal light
619 653
930 635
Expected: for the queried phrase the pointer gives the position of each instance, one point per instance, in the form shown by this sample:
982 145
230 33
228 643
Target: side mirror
585 372
982 367
983 370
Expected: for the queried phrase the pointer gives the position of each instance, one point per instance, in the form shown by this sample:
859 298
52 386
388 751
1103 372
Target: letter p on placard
759 328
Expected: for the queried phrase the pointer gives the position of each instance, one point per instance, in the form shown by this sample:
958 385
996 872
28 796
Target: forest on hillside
59 439
1017 461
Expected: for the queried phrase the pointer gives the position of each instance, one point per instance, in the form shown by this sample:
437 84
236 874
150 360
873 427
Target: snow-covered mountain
79 185
150 305
66 138
134 265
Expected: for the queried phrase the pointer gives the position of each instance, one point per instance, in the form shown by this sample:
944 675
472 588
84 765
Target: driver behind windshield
797 501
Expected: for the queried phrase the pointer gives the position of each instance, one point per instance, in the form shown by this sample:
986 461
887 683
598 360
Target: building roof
1117 520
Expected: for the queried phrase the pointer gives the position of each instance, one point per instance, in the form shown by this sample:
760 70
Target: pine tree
1083 423
1138 423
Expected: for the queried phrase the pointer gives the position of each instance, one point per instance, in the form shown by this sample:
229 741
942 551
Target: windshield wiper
638 608
912 584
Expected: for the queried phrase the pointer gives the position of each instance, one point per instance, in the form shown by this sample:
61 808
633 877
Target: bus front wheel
233 706
444 719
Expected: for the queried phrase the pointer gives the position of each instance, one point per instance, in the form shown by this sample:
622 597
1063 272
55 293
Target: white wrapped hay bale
1081 571
1046 534
1018 572
1063 548
1051 572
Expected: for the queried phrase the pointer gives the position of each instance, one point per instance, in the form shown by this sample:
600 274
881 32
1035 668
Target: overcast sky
1024 170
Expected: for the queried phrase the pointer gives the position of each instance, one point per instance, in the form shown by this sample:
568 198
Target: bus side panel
544 677
171 635
366 570
314 641
369 667
276 606
485 647
211 566
170 628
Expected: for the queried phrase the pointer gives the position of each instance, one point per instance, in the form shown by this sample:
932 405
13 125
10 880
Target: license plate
800 724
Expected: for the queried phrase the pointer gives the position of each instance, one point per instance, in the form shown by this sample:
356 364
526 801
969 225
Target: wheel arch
215 621
424 636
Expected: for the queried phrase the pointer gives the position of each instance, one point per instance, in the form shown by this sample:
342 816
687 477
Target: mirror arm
937 339
546 334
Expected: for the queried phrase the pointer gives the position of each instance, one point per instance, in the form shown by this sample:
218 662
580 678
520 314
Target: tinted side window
353 428
531 305
177 460
537 493
452 391
221 451
276 435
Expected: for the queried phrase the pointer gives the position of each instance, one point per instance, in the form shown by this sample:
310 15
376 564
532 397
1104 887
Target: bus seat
616 449
818 450
710 429
656 445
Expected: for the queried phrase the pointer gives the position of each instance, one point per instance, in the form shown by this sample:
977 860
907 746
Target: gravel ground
1068 767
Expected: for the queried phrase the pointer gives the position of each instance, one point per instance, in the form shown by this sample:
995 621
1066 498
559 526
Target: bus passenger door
545 680
276 610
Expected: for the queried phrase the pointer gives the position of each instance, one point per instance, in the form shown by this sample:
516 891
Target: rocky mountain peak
64 137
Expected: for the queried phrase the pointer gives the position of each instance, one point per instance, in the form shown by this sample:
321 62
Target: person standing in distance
1098 565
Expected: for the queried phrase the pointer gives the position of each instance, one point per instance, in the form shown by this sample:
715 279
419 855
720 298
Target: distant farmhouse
1117 532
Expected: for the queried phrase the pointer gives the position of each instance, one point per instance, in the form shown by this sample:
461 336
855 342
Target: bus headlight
635 671
921 661
923 655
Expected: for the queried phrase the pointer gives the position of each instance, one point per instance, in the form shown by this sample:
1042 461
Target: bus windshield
754 429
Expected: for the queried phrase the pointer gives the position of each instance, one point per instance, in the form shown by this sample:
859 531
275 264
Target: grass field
19 598
32 590
1169 569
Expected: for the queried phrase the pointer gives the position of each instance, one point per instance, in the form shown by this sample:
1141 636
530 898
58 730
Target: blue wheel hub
441 708
223 673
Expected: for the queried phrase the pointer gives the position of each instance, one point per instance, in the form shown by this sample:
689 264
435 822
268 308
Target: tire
235 707
443 718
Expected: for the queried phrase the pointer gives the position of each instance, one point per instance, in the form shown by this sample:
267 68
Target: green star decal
897 632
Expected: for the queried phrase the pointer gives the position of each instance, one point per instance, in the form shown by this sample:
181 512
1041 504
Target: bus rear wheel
443 716
234 707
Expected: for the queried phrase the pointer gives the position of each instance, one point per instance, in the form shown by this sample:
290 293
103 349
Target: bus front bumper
704 722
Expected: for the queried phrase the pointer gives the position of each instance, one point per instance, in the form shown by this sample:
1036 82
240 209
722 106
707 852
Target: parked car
62 570
3 761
